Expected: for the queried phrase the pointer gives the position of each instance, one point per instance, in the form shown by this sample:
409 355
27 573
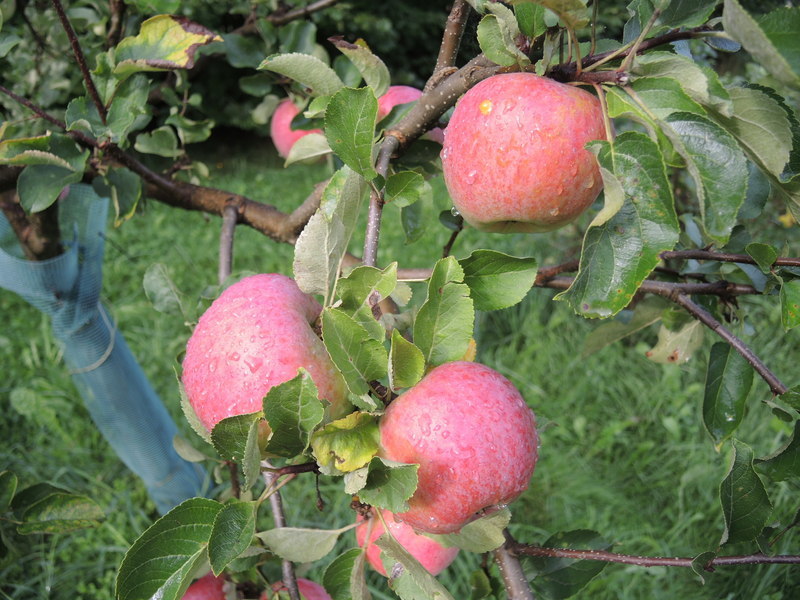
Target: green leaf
82 115
293 410
790 304
772 41
373 70
719 169
645 314
481 535
362 286
29 151
497 280
300 545
8 487
308 149
637 223
702 85
38 186
764 255
125 188
728 383
409 579
307 70
344 576
405 188
60 512
237 438
359 356
346 444
563 577
161 562
761 126
389 484
685 13
161 141
162 291
444 324
530 18
323 242
675 347
406 363
164 42
745 504
699 563
784 463
231 533
497 35
128 109
190 131
573 13
350 128
661 95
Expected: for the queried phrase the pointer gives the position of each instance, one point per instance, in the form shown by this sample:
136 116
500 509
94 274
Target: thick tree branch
39 234
81 59
514 580
652 561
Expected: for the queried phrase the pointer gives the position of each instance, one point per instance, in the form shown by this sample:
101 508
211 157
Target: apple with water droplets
256 335
430 553
474 438
514 156
280 127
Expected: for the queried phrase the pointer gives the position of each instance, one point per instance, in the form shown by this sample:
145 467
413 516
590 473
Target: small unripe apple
473 437
514 157
402 94
280 128
208 587
430 553
308 589
256 335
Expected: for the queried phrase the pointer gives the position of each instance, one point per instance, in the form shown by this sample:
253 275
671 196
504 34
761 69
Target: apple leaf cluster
693 163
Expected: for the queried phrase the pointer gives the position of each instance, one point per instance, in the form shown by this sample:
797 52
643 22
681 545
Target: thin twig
282 18
279 517
230 216
514 580
78 52
451 41
652 561
725 257
372 236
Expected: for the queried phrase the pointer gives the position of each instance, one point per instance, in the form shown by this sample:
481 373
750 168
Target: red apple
514 157
207 587
431 555
280 128
256 335
308 589
402 94
473 437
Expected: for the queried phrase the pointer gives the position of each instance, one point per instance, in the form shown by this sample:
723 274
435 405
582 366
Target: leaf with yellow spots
677 347
790 304
164 42
786 219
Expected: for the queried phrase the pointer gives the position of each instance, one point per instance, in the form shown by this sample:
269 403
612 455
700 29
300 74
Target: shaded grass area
623 448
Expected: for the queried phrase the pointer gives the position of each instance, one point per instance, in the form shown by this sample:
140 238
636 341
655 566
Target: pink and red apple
308 589
208 587
280 128
256 335
514 157
430 553
402 94
473 437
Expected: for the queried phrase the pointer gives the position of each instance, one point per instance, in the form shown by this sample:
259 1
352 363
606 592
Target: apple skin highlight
514 157
474 439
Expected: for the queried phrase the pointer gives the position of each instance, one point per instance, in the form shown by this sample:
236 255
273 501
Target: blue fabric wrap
118 395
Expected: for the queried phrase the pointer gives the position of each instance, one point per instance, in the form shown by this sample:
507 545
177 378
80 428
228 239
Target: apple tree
686 166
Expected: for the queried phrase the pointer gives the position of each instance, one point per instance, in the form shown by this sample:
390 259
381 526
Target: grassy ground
623 450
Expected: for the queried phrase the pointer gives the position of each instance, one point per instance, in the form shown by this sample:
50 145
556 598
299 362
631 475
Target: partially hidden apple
402 94
474 438
431 555
514 157
280 127
307 588
208 587
256 335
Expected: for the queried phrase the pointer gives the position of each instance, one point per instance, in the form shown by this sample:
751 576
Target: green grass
623 450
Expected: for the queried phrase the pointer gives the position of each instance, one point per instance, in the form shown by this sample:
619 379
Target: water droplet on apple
445 434
454 212
253 363
234 356
554 211
212 366
471 177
